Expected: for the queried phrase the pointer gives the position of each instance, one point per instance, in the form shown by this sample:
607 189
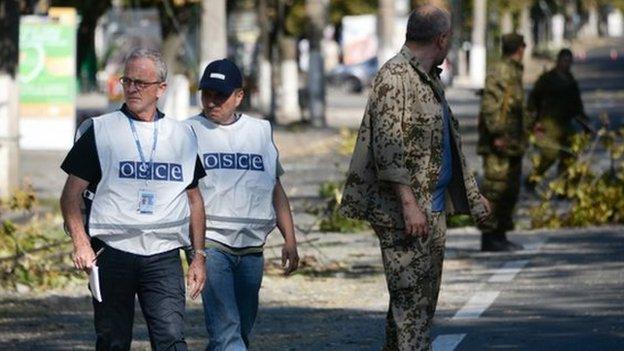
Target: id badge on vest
147 198
147 201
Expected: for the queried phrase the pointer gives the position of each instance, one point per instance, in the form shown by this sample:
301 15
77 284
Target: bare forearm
198 220
283 214
405 194
71 200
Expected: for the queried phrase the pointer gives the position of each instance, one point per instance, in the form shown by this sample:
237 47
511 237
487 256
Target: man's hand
290 257
415 220
83 256
488 209
538 130
196 276
500 144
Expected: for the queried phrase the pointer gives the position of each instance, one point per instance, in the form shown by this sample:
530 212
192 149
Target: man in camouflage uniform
555 101
407 171
502 141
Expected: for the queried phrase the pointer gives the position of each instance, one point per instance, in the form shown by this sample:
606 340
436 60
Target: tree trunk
385 28
213 33
289 90
526 29
9 97
506 22
316 73
263 79
477 52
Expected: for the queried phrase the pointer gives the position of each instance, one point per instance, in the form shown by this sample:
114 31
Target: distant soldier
555 102
502 139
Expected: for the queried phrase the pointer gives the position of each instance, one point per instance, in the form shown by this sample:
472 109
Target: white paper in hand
94 283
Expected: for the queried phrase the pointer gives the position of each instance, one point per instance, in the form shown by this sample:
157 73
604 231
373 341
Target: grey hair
155 56
426 23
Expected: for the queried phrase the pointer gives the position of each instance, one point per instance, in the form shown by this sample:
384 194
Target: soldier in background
555 101
502 142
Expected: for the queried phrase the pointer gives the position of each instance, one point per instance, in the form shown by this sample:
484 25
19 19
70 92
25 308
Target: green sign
47 63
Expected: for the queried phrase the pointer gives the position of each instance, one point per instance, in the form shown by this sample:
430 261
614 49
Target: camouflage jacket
400 141
502 110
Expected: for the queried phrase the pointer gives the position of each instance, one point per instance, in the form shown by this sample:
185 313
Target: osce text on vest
253 162
143 170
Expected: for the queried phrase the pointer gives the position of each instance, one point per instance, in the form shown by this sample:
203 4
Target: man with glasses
137 174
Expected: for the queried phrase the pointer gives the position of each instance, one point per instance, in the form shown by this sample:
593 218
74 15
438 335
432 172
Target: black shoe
489 244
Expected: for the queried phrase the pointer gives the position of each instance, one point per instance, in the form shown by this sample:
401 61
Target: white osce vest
114 216
240 160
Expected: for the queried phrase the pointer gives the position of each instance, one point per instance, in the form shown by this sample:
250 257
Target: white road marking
482 300
477 304
447 342
531 247
508 271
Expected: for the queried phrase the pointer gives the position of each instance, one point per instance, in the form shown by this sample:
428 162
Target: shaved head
426 23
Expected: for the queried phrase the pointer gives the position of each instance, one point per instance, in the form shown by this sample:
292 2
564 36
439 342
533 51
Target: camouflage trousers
502 187
413 273
548 153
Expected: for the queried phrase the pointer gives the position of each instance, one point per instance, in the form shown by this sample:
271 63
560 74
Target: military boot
497 242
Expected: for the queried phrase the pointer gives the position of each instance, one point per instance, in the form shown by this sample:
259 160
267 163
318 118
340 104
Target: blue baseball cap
222 76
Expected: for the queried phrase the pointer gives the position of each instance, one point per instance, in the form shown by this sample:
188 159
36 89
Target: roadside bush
35 255
21 200
330 219
348 138
586 195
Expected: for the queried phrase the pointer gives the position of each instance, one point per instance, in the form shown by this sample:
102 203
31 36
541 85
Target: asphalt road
567 295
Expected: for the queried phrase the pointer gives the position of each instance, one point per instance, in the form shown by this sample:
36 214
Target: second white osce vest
240 160
114 215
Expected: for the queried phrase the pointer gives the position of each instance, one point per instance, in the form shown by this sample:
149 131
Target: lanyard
137 142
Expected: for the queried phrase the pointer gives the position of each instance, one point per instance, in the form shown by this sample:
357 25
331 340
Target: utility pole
317 14
385 28
213 32
477 52
9 97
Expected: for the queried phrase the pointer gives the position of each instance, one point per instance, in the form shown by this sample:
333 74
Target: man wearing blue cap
244 201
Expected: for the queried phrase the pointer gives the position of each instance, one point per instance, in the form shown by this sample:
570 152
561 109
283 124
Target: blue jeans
230 298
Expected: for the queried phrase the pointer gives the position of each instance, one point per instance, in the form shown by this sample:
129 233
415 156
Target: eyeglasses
139 84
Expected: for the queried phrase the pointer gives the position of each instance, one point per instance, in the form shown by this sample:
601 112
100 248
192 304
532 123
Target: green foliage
348 138
592 197
458 221
21 199
35 255
330 219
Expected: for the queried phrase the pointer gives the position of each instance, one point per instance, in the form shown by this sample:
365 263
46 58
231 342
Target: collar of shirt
432 77
237 116
124 109
514 63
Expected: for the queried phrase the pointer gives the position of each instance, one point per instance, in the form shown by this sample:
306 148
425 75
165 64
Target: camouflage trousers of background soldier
413 269
552 146
502 187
